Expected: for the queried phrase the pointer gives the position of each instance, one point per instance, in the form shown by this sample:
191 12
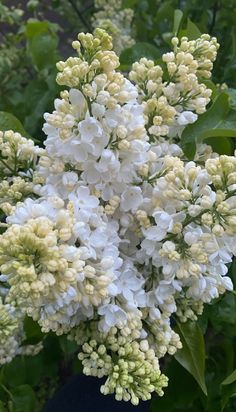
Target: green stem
7 391
80 15
7 166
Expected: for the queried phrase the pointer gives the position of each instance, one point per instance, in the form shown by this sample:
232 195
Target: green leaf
2 408
220 145
136 52
227 392
191 31
38 99
42 49
12 376
129 3
181 387
52 355
32 331
211 85
68 347
23 398
192 355
165 12
232 97
9 122
222 315
35 368
42 41
178 17
230 379
218 121
34 28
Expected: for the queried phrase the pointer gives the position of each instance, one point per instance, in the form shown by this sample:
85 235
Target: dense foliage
202 375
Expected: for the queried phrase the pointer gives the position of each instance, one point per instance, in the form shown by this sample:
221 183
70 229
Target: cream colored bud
124 145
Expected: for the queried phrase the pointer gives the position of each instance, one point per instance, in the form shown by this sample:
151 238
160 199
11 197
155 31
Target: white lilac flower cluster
12 334
174 94
123 234
18 157
116 20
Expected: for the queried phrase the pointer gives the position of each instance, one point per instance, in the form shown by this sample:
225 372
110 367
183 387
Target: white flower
192 235
227 282
31 209
163 220
186 117
111 315
77 99
131 199
90 128
98 110
130 285
82 199
98 238
69 179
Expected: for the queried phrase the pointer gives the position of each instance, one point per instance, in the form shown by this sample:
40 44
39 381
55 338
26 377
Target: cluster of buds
188 309
18 158
161 337
94 56
112 205
132 368
116 21
10 332
174 95
17 154
51 279
135 375
202 54
13 191
223 172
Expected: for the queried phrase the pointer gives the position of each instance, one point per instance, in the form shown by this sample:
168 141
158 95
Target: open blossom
186 241
131 199
104 142
186 117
